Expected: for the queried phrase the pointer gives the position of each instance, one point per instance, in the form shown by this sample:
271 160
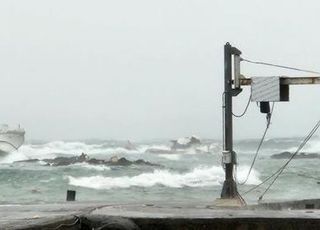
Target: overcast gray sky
148 69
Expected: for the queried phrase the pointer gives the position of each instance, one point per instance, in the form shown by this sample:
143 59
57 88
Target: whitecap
242 174
55 148
172 157
198 177
93 167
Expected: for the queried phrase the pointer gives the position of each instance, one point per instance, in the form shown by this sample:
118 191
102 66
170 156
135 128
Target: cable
269 115
279 66
245 110
223 119
255 156
68 225
241 198
282 167
269 177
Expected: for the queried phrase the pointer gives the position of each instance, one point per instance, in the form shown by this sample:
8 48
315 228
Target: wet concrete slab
154 216
174 211
23 216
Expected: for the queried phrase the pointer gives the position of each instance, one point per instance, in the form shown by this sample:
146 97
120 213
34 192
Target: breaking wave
57 148
172 157
92 167
199 177
53 149
313 146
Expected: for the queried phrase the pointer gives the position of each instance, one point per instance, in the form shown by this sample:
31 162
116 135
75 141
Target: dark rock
142 162
95 161
302 155
29 160
282 155
107 222
35 191
83 158
122 162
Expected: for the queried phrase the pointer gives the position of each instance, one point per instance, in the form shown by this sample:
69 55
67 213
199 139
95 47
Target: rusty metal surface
289 81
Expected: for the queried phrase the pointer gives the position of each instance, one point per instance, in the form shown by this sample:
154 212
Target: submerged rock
84 158
303 155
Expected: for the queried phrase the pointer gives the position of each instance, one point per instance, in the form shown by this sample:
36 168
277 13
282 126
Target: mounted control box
268 89
226 157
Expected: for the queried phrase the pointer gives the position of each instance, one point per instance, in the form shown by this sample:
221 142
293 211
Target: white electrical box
268 89
226 157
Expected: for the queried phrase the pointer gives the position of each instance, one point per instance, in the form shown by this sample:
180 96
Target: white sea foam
313 146
93 167
42 163
52 149
242 173
172 157
144 148
47 180
48 150
199 177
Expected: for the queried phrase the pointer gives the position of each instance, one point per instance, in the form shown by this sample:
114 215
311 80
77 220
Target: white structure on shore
10 138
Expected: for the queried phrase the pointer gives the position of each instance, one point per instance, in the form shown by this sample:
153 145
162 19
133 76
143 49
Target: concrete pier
78 215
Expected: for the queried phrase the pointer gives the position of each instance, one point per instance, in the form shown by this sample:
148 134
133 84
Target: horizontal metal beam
288 81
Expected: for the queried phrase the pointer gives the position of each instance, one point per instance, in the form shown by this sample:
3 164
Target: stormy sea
150 171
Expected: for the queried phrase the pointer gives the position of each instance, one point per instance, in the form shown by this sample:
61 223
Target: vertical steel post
229 190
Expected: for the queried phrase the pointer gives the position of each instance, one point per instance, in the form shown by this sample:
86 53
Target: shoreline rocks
84 158
302 155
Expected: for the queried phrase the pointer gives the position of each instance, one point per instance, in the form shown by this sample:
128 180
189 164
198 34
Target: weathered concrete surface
33 216
297 204
183 217
165 211
75 215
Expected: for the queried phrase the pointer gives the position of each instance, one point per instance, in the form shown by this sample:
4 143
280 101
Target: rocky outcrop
84 158
303 155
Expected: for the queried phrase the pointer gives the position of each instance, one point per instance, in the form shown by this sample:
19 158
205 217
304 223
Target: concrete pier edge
303 214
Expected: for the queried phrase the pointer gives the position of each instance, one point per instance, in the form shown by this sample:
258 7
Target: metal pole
229 189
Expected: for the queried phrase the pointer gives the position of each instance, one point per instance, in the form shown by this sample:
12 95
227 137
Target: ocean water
195 175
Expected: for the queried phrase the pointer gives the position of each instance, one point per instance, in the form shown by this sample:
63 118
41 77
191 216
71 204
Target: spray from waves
144 148
92 167
312 147
172 157
53 149
198 177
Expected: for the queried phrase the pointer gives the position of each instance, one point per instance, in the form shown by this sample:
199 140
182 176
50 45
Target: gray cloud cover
149 69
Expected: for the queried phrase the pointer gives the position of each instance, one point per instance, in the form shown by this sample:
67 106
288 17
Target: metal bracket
235 92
